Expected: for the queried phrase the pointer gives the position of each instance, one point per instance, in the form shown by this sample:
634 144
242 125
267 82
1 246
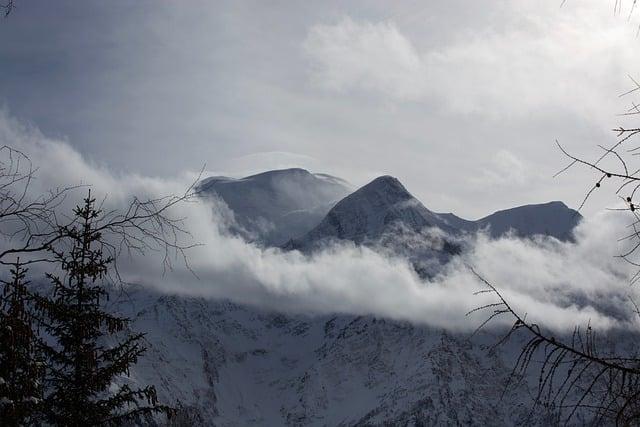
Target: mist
557 284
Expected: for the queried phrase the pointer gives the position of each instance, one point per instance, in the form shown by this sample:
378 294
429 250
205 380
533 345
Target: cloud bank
501 70
556 284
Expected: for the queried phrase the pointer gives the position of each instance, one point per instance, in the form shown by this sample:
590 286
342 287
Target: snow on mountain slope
275 206
368 213
229 365
550 219
380 207
232 365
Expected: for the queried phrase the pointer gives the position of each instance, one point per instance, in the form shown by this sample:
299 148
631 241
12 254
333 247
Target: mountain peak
369 212
552 218
558 203
385 181
386 189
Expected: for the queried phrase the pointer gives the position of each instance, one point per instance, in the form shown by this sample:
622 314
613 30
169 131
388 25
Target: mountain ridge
375 208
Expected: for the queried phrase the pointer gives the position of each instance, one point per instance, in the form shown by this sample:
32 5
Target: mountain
366 214
296 209
225 364
272 207
385 215
550 219
385 209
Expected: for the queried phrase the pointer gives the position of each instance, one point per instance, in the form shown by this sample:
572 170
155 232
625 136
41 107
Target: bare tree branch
8 7
580 372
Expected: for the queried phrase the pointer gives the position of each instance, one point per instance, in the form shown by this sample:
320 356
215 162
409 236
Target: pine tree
83 367
20 364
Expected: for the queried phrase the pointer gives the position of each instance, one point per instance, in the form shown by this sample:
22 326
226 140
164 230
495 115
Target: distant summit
369 212
550 219
275 206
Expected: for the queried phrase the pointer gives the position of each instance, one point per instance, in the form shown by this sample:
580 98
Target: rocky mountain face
229 365
225 364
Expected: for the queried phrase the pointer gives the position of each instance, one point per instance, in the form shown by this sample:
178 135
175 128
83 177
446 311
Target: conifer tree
20 364
91 349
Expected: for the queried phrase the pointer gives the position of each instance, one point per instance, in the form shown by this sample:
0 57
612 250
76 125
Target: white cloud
261 161
373 57
504 170
543 278
539 59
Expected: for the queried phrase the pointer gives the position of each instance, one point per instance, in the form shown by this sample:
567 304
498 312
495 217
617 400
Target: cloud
533 58
369 56
261 161
556 284
504 170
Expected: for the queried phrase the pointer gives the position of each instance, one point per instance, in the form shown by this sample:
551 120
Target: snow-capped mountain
225 364
366 214
300 210
550 219
384 215
275 206
374 209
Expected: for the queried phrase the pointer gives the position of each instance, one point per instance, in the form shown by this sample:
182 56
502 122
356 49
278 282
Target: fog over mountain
227 266
352 333
242 364
372 210
275 206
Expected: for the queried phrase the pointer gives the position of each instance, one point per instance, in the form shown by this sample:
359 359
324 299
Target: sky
462 101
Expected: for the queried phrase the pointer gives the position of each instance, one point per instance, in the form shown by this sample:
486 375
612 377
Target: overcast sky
462 101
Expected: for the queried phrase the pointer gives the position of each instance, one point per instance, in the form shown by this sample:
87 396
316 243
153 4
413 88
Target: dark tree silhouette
91 349
35 228
21 363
